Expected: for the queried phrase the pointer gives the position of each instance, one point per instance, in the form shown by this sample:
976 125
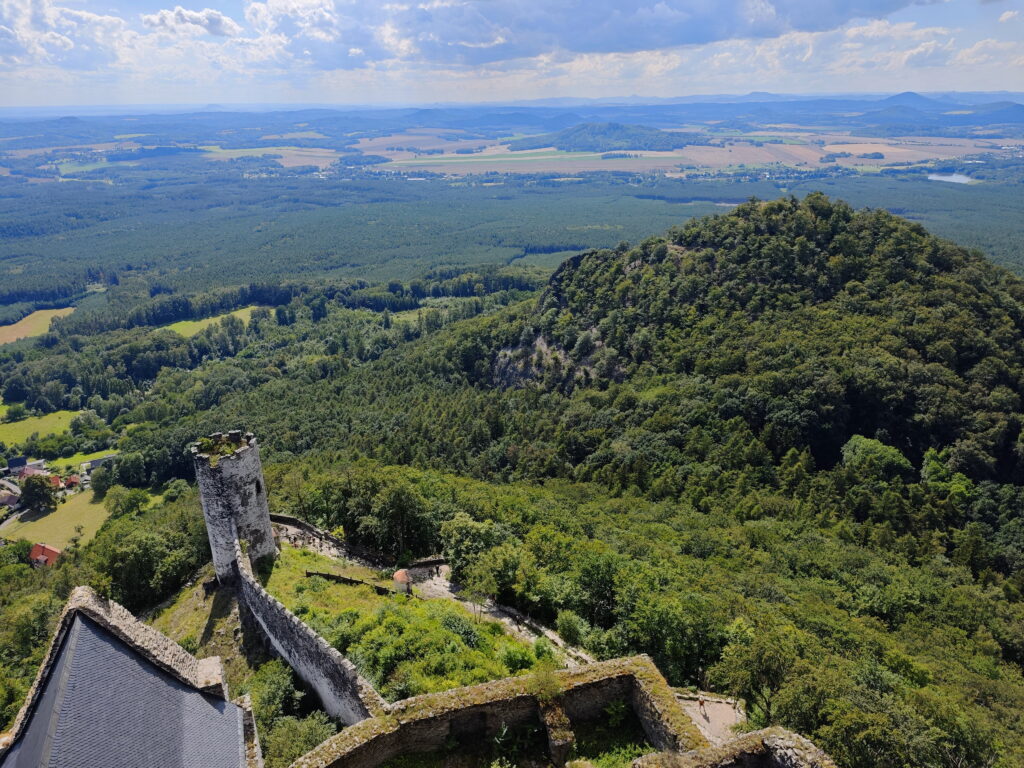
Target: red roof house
43 554
72 481
55 481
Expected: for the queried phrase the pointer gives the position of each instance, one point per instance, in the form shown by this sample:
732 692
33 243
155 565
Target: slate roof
103 703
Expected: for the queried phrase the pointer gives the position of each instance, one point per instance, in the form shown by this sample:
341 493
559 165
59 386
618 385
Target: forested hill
809 321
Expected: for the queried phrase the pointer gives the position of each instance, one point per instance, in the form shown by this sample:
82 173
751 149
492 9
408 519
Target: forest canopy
778 449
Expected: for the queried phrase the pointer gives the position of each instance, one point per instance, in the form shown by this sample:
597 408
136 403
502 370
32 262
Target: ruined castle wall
770 748
234 499
588 702
426 723
470 725
343 693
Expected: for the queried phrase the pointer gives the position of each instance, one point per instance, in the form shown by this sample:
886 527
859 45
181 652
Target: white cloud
882 29
39 31
424 50
183 21
1007 16
985 51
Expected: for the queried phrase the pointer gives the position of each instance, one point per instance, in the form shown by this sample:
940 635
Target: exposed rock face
234 498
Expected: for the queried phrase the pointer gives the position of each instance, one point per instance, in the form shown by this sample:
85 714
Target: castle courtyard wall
344 694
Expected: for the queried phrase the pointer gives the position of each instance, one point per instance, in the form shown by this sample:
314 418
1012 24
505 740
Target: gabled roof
45 553
116 693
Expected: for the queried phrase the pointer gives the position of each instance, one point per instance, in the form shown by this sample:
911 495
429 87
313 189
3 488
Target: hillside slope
777 450
811 323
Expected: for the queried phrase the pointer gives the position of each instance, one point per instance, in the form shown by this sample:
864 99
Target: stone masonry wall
769 748
344 694
234 499
426 723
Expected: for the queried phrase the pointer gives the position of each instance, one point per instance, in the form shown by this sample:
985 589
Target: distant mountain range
908 113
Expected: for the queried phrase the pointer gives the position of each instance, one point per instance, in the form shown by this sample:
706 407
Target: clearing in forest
189 328
404 646
54 423
35 324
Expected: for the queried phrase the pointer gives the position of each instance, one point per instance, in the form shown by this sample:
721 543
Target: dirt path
716 719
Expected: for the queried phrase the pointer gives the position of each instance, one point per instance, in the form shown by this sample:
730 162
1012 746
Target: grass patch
54 423
35 324
71 463
189 328
209 626
73 167
287 156
405 647
58 527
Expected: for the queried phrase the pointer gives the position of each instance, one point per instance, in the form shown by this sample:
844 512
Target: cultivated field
58 527
293 135
799 149
290 157
103 146
422 140
35 324
189 328
50 424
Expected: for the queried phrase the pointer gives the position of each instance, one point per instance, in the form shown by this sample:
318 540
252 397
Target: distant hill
609 137
915 100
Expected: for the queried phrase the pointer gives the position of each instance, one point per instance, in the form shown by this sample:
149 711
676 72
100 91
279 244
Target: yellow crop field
35 324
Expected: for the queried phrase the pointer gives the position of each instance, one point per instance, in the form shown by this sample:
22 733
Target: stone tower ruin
234 498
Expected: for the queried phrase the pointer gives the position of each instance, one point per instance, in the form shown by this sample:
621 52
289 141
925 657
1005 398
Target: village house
43 554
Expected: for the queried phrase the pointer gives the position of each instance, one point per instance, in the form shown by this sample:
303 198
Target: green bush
572 627
291 737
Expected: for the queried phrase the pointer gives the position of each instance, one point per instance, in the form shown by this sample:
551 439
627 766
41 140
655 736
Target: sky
120 52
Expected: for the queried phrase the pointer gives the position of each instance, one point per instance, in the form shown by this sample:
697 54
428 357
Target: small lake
955 178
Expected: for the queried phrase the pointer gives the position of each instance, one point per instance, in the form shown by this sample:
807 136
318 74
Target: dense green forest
778 449
180 225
